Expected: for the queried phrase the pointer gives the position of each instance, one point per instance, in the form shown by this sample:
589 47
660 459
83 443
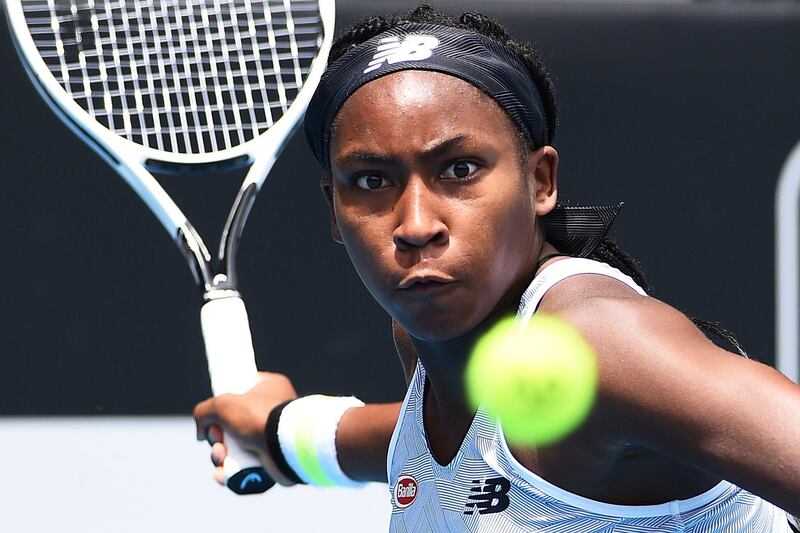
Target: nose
419 220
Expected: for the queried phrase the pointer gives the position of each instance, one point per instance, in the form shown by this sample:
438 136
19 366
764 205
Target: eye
460 170
371 182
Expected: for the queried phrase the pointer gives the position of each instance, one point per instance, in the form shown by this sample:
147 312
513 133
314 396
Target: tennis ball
539 379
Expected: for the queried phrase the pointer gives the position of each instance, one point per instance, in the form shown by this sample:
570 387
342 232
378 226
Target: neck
444 364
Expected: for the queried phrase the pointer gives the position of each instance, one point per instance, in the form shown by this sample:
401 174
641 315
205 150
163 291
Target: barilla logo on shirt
405 491
392 50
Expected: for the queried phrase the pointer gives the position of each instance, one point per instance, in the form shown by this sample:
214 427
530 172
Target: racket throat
234 225
220 274
212 281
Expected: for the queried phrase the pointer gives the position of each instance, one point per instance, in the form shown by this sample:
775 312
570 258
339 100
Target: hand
243 417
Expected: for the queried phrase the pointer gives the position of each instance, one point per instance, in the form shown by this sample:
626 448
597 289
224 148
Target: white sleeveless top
485 489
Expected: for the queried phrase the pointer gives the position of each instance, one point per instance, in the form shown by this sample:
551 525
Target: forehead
413 107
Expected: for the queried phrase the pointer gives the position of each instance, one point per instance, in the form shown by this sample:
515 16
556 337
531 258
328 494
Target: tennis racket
166 86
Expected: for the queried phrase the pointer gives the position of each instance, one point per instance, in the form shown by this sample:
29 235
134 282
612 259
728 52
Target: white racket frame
226 330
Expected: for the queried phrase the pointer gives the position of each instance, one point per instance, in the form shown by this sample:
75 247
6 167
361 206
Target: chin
437 329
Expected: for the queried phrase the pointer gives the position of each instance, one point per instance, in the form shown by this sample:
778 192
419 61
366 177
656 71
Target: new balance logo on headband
391 50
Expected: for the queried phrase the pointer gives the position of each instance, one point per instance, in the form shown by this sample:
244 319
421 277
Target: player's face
430 198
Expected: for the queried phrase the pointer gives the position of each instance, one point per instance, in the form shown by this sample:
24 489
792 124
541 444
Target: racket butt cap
253 480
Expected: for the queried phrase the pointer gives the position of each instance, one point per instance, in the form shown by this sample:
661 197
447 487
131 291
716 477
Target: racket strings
190 77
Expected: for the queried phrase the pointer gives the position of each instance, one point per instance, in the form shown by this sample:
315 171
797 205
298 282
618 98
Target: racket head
175 83
116 102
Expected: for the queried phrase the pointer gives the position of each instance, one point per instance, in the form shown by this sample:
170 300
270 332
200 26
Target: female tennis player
435 136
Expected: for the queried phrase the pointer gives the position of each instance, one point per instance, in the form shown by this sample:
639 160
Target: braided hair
607 250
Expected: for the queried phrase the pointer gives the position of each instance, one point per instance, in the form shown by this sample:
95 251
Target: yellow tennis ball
539 379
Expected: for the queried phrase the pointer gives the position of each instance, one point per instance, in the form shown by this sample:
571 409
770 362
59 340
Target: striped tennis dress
485 489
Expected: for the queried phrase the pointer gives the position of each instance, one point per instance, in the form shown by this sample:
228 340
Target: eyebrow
431 150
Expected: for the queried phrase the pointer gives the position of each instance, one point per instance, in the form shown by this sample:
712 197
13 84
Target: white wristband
307 436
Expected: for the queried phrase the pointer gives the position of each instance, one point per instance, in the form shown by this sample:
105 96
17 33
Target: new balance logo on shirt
392 50
489 496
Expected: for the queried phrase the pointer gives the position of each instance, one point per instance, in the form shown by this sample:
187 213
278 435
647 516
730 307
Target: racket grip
232 369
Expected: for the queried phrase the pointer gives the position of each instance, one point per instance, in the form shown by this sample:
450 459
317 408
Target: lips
425 279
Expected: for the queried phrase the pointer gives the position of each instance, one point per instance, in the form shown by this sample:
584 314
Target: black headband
485 63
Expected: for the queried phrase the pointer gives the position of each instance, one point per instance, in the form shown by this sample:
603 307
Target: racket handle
232 369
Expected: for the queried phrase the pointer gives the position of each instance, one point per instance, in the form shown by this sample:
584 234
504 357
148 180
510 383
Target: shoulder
599 304
653 361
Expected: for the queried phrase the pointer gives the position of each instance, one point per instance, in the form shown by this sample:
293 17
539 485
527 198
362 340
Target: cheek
358 240
366 242
508 242
506 224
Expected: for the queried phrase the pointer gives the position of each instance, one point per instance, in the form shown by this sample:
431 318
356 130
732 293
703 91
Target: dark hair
607 250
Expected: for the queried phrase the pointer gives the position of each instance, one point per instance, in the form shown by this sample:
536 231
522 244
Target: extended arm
362 438
674 391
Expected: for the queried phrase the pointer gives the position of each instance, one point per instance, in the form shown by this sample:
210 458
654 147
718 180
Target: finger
218 454
219 475
214 434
